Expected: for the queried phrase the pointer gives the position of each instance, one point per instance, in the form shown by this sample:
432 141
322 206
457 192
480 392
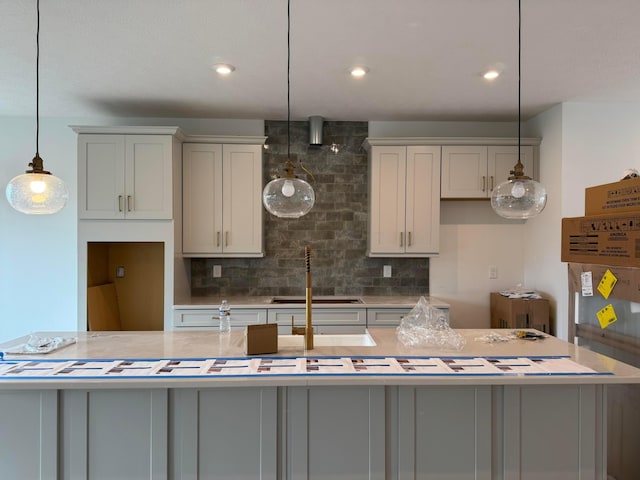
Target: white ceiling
152 58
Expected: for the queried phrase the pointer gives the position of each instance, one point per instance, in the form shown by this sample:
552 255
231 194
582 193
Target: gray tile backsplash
336 228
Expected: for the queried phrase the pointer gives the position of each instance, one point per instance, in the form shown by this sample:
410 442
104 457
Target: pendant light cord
519 72
288 78
37 76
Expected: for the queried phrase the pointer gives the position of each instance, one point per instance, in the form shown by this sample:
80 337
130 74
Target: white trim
228 139
128 130
382 141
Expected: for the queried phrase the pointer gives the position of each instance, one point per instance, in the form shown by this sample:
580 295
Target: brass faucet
308 333
307 330
296 330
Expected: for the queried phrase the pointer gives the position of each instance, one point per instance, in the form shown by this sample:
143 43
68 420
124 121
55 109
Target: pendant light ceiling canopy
37 191
520 197
288 196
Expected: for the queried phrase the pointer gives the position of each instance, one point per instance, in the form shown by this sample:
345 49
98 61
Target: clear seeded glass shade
288 197
519 198
37 193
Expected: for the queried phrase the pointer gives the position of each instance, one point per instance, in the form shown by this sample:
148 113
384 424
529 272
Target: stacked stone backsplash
336 228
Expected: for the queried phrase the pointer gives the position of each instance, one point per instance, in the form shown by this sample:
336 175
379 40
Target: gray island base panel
307 427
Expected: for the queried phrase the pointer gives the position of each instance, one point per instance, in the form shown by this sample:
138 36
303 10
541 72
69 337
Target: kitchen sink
316 300
329 340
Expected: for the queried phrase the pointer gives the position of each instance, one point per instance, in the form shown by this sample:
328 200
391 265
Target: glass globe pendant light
520 197
37 191
288 196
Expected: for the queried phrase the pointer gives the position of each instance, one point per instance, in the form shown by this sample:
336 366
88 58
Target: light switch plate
386 271
217 271
493 272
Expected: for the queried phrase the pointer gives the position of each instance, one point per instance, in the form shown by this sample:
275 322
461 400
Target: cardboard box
261 339
602 239
520 313
627 285
613 198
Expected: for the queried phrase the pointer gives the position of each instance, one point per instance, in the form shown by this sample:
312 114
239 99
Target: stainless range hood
315 130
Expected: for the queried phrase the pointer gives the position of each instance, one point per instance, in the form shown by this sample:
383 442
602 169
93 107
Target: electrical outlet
217 271
493 272
386 271
120 271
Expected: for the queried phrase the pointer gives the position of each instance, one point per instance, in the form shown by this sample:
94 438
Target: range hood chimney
315 130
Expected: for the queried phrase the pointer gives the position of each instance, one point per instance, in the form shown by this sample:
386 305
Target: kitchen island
461 424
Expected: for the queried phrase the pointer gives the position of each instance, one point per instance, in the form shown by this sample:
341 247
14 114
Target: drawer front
208 318
389 317
347 316
386 317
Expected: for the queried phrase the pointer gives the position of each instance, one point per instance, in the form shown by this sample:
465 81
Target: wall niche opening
125 286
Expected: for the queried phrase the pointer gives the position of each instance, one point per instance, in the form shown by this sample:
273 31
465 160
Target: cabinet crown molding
171 130
402 141
129 130
227 139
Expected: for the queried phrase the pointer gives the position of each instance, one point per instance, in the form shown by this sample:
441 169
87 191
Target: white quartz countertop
211 344
392 301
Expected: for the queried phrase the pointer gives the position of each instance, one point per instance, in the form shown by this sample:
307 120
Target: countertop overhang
211 344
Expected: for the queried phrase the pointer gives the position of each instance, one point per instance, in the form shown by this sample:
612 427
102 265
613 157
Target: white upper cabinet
404 194
222 200
502 159
125 176
470 171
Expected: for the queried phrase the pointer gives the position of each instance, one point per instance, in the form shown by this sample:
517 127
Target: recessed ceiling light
491 74
223 68
359 71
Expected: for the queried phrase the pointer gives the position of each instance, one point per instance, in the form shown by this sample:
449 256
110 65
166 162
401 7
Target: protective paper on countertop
39 344
428 326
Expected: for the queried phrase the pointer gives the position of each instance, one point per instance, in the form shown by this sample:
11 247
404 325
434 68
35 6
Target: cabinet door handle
409 239
217 239
226 238
119 203
492 183
484 183
402 239
129 203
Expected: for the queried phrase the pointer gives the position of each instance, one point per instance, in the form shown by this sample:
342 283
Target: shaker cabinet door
502 159
387 196
148 185
242 198
202 198
464 172
101 176
423 200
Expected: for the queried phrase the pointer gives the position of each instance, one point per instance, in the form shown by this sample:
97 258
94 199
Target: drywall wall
599 141
38 267
541 241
